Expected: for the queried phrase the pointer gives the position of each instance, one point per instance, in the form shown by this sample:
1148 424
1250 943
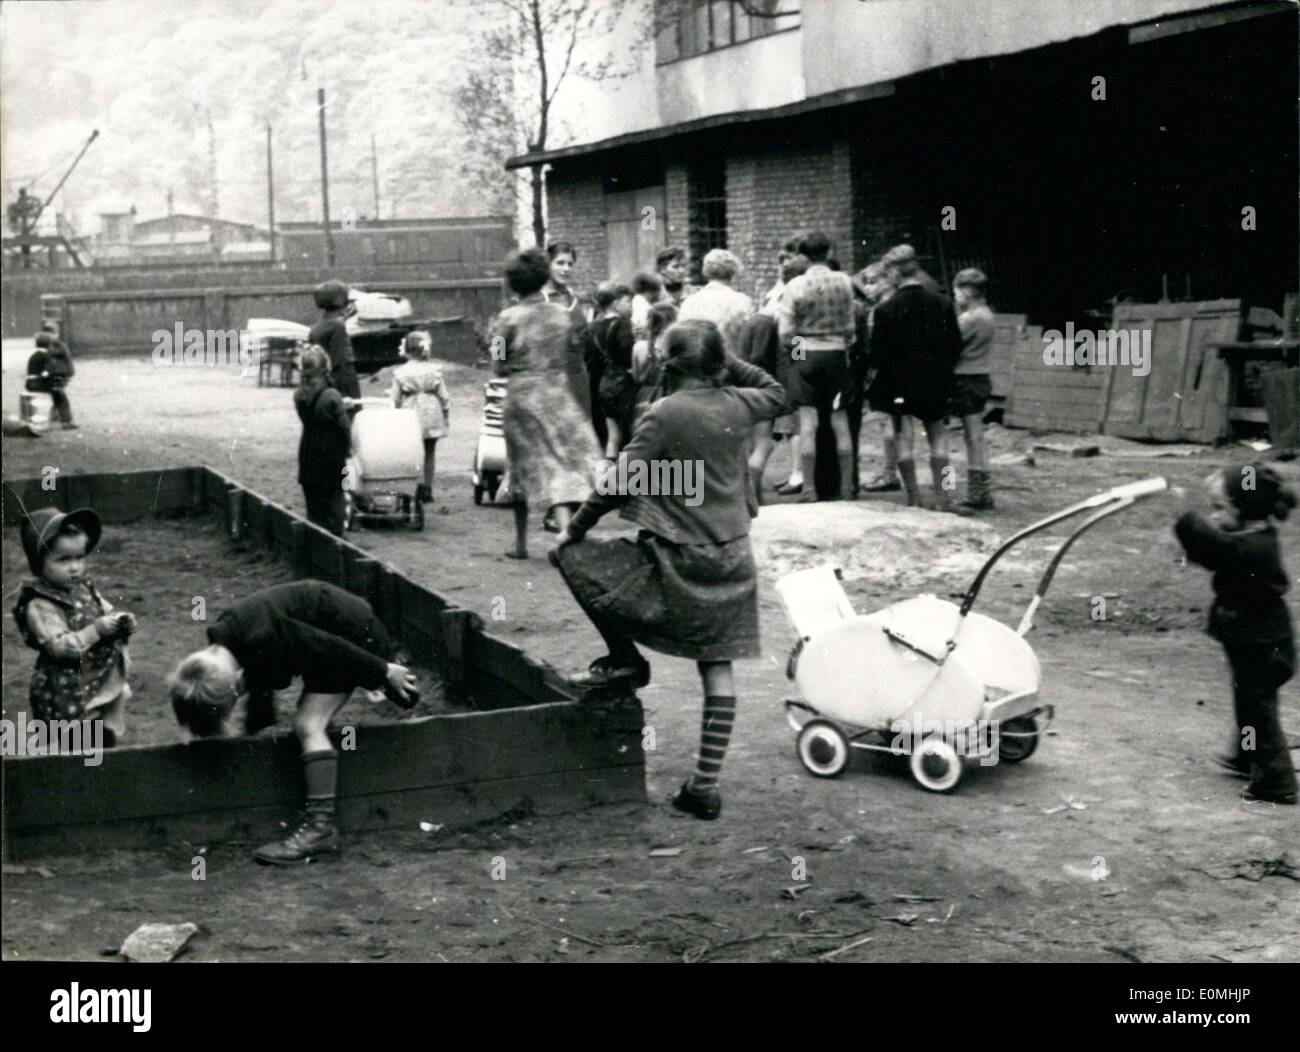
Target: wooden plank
1063 410
506 662
454 806
216 781
22 496
1281 390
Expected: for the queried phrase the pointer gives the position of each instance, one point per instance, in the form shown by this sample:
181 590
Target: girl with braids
1238 541
687 585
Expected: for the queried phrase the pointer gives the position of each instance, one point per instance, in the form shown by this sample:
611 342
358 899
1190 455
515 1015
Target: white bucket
37 409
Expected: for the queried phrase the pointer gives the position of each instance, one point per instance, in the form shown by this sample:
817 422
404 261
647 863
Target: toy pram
923 677
386 465
490 453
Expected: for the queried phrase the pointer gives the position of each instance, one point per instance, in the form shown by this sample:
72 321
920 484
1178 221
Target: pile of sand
880 542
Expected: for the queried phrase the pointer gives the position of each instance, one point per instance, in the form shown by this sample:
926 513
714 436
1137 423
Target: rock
157 943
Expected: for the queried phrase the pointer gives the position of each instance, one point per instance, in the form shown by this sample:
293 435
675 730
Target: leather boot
848 487
938 474
907 472
315 835
979 496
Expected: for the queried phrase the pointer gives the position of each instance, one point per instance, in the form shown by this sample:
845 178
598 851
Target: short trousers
970 393
818 378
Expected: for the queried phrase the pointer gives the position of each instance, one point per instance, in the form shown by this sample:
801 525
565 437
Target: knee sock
719 715
321 770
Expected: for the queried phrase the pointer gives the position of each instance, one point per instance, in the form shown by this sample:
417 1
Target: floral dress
550 444
419 385
71 681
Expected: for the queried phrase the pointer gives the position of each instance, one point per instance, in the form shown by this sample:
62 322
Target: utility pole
374 173
325 181
270 192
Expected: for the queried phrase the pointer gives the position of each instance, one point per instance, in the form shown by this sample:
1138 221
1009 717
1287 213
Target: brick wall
781 190
576 212
676 179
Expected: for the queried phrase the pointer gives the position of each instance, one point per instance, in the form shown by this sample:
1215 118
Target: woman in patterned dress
550 444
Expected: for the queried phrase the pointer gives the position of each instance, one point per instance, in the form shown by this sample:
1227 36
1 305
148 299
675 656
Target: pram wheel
936 765
823 748
1017 739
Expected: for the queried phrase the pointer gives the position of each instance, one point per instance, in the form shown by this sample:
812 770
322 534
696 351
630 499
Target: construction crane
27 210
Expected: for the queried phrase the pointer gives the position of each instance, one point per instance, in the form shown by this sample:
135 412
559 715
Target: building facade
1077 152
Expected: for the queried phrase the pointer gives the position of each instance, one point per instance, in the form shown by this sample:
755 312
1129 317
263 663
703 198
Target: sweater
307 628
1249 580
977 331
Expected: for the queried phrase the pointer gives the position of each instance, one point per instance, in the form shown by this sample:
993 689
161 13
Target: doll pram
386 466
923 677
490 454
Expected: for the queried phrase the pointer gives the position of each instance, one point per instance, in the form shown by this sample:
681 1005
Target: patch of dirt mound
884 543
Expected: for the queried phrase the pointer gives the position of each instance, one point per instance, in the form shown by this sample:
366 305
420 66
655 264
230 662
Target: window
693 27
706 194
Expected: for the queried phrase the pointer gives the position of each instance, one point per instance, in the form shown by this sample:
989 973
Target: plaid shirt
818 305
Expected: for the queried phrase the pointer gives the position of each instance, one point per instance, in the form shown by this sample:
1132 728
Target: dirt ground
1157 859
156 570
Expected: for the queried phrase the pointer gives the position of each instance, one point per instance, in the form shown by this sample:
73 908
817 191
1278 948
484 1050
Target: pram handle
1112 500
1137 490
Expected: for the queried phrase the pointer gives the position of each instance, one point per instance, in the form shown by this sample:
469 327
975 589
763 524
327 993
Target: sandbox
495 729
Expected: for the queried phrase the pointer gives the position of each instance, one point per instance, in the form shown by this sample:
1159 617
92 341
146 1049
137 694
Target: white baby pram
922 677
490 454
386 466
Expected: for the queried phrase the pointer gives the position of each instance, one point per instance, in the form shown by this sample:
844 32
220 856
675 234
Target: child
647 358
687 584
326 440
82 662
647 290
614 341
1249 616
311 629
49 369
331 334
971 384
419 384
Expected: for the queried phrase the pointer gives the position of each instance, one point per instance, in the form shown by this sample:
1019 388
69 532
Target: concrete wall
839 44
756 75
846 45
20 295
100 323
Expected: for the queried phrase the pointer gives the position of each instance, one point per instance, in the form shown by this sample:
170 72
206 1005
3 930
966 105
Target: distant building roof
452 223
181 237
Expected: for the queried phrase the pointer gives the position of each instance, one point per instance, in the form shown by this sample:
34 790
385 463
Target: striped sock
719 715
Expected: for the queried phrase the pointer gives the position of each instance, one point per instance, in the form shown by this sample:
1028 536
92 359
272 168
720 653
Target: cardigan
1249 581
706 430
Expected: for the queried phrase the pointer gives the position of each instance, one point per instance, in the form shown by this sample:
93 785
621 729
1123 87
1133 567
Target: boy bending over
309 628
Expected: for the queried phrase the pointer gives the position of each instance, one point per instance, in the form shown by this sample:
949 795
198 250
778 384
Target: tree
528 53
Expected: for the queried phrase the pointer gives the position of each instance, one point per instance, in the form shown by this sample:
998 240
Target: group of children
329 394
686 585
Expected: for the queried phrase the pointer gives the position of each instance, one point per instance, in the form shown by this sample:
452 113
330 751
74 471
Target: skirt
550 445
697 601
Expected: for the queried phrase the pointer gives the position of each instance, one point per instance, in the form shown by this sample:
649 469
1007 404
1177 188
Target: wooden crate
1050 397
1185 396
